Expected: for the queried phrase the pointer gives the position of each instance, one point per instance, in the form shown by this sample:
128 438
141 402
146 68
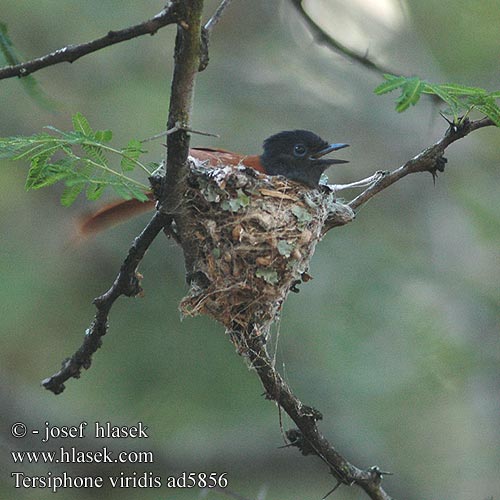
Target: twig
324 38
332 490
426 161
207 31
368 181
175 129
310 439
209 26
169 15
126 283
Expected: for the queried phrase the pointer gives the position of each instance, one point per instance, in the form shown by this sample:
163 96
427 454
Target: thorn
379 473
445 118
179 126
289 445
332 490
434 177
452 124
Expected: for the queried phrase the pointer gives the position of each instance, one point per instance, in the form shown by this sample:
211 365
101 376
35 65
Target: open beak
329 149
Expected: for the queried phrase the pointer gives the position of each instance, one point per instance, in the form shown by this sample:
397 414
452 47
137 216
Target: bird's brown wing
219 157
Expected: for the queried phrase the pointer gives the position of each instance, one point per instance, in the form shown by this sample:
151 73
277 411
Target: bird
298 155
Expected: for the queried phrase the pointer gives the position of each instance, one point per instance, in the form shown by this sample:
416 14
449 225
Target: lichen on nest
247 239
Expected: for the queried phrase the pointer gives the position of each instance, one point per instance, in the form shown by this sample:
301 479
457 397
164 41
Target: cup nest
247 240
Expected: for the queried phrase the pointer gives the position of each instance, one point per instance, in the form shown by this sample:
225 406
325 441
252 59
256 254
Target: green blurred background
395 340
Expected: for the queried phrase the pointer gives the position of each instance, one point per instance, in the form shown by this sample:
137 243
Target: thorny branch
169 15
308 438
429 160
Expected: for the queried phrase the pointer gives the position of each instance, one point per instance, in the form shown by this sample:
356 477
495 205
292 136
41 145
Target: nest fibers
248 239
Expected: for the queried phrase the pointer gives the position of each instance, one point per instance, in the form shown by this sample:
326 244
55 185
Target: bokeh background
396 339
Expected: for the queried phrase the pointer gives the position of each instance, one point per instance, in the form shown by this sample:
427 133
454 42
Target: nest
247 240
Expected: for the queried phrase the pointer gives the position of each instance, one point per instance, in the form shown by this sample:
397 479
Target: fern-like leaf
58 157
411 91
131 154
461 99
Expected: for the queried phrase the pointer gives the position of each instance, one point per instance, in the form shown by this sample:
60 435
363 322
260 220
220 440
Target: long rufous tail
113 214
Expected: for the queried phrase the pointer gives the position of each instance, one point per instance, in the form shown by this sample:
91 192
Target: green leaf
96 154
131 153
29 83
95 191
459 98
411 92
89 141
81 124
462 90
137 192
393 82
70 194
430 88
43 174
103 135
128 191
58 157
6 46
491 110
122 191
96 188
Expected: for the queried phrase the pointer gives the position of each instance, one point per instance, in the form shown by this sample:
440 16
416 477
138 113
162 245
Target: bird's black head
298 155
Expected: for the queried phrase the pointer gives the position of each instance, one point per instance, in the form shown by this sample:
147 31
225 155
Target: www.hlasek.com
55 481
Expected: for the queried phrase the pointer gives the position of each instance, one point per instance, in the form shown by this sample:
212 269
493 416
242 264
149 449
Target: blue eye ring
299 150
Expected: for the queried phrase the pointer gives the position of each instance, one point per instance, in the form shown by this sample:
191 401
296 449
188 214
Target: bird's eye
299 150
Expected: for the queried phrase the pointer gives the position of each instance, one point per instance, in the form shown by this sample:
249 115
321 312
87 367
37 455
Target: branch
323 38
187 55
210 25
429 160
308 438
169 15
126 283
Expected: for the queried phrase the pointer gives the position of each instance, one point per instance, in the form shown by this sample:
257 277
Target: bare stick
323 38
209 26
175 129
169 15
